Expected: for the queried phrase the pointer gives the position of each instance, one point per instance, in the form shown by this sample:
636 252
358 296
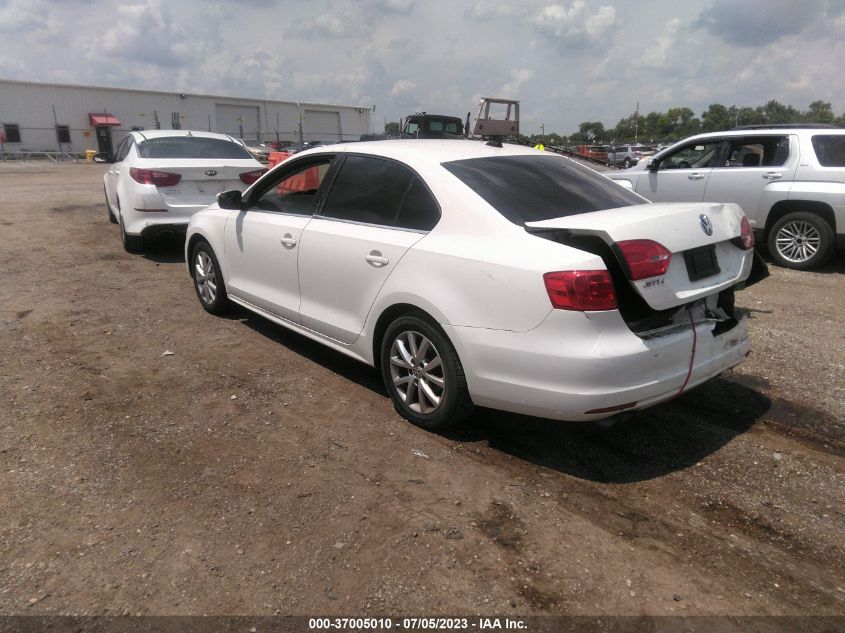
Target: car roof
431 151
759 131
148 134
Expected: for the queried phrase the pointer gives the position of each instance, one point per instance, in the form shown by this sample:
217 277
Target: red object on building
100 119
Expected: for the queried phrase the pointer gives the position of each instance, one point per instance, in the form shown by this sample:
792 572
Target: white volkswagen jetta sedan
473 274
157 179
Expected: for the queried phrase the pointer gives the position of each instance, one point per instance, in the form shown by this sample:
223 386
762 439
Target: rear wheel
423 375
112 219
208 280
800 240
628 162
131 243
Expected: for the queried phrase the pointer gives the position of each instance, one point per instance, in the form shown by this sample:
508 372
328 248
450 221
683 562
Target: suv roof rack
787 125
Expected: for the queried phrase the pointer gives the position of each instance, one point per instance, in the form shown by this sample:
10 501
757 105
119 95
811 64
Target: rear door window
535 188
830 149
757 151
383 192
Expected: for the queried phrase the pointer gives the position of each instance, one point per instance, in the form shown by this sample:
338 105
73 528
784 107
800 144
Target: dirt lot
253 472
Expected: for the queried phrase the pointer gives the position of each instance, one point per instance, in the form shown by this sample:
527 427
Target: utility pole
543 133
637 123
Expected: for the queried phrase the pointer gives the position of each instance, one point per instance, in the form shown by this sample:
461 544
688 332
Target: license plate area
701 262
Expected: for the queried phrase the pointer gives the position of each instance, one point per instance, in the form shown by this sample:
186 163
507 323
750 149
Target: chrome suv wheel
800 240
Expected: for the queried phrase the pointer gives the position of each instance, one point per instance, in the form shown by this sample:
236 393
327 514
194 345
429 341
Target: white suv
789 180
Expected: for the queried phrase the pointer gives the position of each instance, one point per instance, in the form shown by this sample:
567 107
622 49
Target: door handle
376 259
695 176
288 241
772 175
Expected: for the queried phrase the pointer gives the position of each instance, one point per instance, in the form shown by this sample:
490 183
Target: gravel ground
157 460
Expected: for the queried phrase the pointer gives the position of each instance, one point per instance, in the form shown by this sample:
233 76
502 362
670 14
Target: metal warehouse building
54 117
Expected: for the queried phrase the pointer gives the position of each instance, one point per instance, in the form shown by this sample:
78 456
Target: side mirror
231 200
652 165
103 157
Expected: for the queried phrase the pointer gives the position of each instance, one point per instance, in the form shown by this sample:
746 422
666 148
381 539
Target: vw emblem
706 224
211 172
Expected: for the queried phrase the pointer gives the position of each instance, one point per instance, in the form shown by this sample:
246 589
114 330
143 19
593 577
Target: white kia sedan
474 274
158 179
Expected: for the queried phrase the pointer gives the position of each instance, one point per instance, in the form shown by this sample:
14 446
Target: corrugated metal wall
30 107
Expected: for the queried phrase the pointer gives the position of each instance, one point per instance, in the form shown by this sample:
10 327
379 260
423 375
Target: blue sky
567 61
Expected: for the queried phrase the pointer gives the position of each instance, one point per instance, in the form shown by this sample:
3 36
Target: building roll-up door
240 121
320 125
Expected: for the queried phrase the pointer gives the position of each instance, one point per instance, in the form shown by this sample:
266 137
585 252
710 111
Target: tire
131 243
208 280
112 219
801 241
432 396
628 162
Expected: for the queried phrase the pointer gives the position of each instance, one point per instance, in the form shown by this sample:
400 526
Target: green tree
392 128
716 118
592 131
819 112
775 112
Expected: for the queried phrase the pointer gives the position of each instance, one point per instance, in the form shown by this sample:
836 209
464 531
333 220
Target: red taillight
645 258
581 290
154 177
249 177
746 235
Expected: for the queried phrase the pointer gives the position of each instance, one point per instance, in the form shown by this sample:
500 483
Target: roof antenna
494 142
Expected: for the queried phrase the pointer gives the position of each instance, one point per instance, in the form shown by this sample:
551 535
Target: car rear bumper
575 363
154 231
151 219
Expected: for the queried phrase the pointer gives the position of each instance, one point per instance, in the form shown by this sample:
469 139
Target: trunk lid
201 179
700 265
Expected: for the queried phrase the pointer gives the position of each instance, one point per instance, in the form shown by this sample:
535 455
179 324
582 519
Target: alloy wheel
205 277
798 241
417 372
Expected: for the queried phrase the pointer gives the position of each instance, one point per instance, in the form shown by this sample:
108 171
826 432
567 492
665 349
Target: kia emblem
211 172
704 221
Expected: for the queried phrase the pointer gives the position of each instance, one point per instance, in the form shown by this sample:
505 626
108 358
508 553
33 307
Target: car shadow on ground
651 443
348 368
664 439
165 250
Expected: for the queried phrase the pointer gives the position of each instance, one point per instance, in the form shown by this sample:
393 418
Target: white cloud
567 61
575 27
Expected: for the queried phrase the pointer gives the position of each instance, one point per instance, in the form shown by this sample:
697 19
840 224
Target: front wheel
423 374
208 280
112 219
628 162
800 240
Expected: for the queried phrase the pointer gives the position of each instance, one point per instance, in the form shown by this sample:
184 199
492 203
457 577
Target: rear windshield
191 147
830 149
535 188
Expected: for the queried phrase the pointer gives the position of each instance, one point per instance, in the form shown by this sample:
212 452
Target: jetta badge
211 172
704 221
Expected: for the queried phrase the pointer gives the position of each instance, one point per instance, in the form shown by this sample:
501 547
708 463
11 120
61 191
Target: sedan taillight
645 258
581 290
249 177
154 177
